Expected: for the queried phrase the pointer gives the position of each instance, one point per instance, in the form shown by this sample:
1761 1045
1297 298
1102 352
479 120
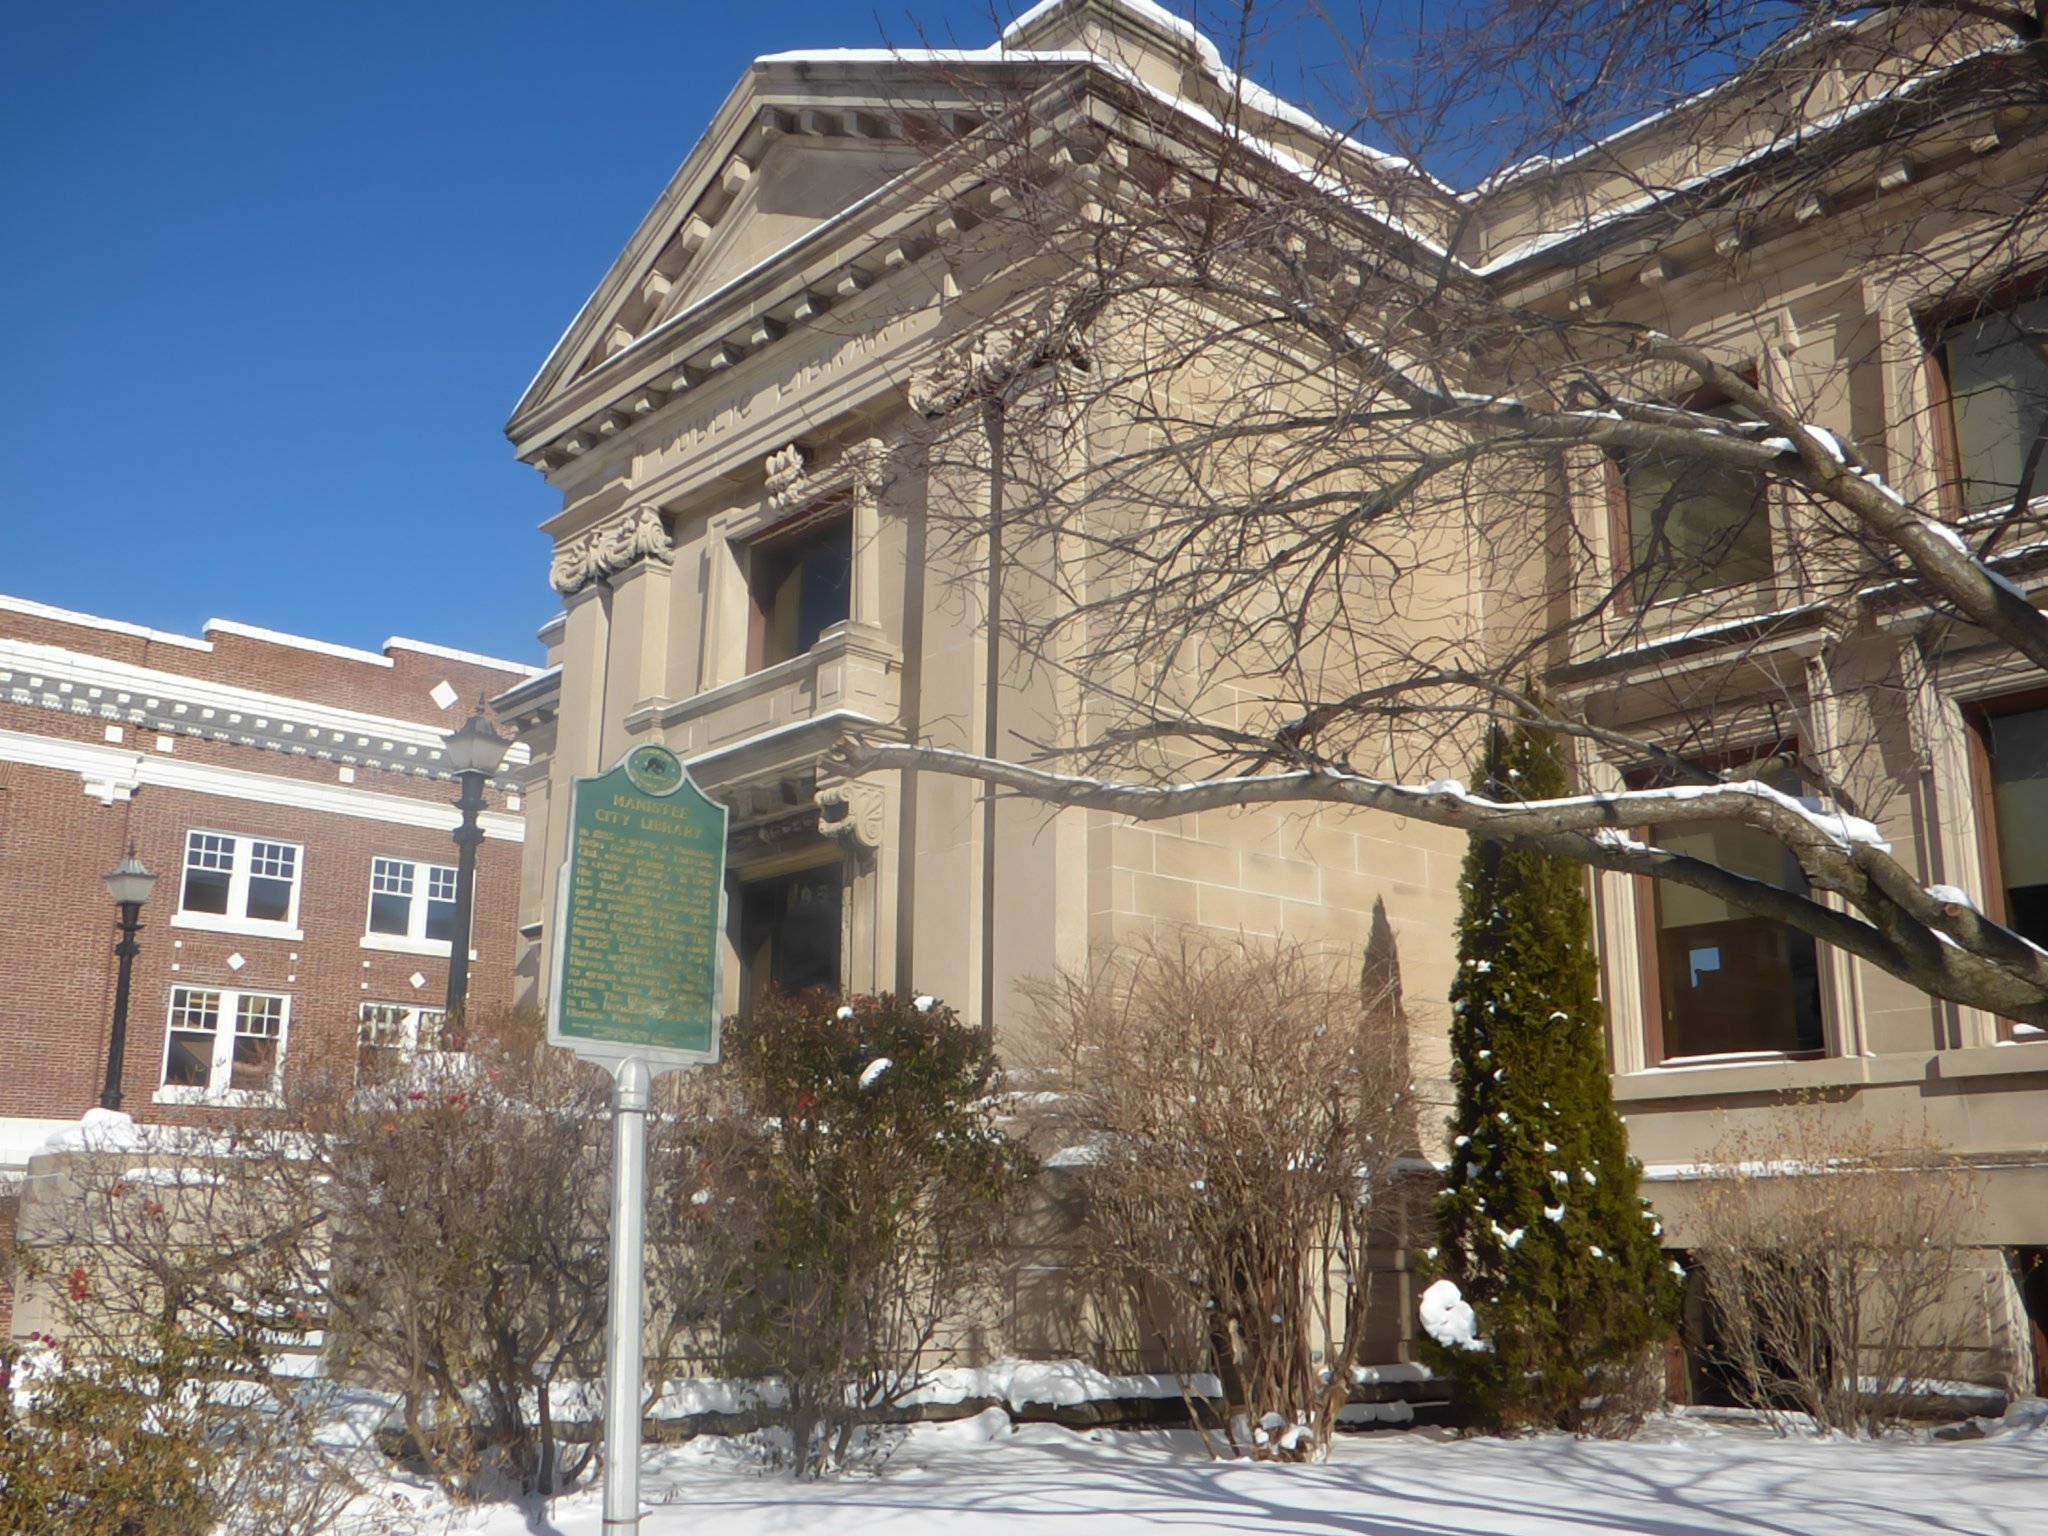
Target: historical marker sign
640 916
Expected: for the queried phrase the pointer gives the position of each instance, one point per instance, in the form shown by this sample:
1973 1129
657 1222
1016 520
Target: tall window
802 584
239 880
2017 749
789 931
223 1041
412 901
1996 367
1692 525
1728 982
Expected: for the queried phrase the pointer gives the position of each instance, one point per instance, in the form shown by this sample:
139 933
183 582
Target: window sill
1711 1077
228 1098
392 943
242 927
2013 1058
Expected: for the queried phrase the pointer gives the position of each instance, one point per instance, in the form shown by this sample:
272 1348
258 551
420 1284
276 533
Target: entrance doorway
789 929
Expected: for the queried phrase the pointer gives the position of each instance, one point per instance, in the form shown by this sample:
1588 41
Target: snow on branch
1445 802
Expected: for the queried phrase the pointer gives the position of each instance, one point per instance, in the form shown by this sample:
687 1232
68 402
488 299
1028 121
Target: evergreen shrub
1541 1226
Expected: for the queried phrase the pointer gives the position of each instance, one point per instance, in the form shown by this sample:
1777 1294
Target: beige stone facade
740 423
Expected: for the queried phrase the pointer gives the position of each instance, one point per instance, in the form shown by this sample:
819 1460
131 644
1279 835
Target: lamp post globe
472 752
129 883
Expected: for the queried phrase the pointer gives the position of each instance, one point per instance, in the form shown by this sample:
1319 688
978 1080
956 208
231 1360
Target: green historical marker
639 916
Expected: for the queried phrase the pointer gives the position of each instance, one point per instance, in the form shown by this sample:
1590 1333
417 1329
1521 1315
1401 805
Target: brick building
288 795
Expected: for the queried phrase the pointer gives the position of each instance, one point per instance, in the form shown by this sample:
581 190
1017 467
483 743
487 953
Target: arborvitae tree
1541 1225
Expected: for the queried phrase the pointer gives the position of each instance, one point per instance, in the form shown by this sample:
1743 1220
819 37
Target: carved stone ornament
786 476
866 462
985 364
608 549
851 811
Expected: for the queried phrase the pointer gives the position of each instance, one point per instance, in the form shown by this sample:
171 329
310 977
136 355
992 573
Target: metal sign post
638 924
622 1347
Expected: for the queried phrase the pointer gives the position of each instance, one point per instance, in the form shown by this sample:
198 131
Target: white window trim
245 927
223 1052
235 920
409 1024
414 941
393 944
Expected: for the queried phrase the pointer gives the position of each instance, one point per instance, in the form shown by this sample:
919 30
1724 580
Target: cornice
114 773
72 682
778 99
765 307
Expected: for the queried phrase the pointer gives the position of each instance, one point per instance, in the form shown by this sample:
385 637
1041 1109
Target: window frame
414 941
833 511
236 918
219 1087
1978 715
1651 968
1933 325
788 868
411 1022
1626 568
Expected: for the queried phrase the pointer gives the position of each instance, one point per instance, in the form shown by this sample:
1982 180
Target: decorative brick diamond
235 961
442 694
418 981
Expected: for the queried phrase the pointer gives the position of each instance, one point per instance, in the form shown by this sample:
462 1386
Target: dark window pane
826 589
1731 982
206 890
190 1063
270 900
802 585
390 914
441 920
2019 776
1694 526
1998 397
255 1063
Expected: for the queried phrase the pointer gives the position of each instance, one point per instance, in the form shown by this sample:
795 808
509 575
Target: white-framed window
412 905
224 1044
390 1034
240 884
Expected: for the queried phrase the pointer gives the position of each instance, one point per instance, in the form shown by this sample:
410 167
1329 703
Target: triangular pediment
785 156
800 183
806 139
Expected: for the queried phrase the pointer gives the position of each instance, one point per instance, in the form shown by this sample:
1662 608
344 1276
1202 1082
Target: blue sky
276 271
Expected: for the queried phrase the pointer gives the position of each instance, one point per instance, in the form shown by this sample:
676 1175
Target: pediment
800 183
780 160
807 141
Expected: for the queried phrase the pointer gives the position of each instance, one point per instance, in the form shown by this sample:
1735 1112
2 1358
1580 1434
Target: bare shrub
178 1273
465 1194
1826 1257
1240 1121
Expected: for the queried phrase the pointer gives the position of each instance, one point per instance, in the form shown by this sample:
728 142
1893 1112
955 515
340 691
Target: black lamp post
473 752
129 884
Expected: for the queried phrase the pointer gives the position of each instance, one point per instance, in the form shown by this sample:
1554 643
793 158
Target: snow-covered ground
1685 1476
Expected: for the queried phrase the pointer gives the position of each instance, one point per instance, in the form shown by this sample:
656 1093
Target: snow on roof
35 610
1254 95
1207 56
990 55
1800 134
450 653
297 642
1537 164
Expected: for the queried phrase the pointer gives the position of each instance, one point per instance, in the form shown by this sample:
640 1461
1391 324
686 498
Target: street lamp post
129 883
473 752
